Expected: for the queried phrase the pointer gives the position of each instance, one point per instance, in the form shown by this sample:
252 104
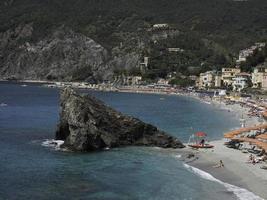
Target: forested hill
222 27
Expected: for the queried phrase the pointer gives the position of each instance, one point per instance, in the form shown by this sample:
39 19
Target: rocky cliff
62 55
87 39
86 124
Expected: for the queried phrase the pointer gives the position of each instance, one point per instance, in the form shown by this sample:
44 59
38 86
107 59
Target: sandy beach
236 171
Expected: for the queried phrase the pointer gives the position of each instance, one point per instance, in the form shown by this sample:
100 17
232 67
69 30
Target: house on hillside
144 64
162 81
209 79
160 26
241 81
176 50
258 75
132 80
228 74
264 82
243 54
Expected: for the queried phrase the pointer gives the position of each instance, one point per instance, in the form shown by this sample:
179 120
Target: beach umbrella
200 134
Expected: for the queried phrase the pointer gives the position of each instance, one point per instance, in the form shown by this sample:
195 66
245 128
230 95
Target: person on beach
202 142
219 165
250 158
253 160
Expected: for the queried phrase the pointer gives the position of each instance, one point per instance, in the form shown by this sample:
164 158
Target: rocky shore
86 124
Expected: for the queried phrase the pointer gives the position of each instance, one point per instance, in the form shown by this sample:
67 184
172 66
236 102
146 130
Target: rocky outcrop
86 124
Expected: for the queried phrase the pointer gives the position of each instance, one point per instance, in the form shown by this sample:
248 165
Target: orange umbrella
200 134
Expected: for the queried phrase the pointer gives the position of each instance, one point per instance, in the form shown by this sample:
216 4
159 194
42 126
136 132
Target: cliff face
86 124
61 55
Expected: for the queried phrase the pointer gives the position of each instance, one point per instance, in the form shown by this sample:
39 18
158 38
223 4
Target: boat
200 143
24 85
200 146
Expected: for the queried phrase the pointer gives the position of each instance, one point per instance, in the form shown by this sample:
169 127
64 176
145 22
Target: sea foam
53 143
241 193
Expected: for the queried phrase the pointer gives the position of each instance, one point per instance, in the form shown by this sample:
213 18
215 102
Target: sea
30 169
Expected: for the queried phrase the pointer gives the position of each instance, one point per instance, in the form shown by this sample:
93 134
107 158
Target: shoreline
236 171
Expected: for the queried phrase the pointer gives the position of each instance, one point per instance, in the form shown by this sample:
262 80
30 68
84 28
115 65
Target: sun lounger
264 167
244 151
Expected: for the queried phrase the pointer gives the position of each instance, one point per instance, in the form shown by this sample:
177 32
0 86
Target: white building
160 26
241 81
143 65
162 81
172 49
243 54
132 80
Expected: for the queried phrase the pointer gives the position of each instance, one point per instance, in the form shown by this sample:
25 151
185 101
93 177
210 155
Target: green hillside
212 31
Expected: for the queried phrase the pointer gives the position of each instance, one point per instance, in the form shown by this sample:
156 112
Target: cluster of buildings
233 78
243 54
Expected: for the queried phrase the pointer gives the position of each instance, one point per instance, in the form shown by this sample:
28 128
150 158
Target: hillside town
230 79
233 78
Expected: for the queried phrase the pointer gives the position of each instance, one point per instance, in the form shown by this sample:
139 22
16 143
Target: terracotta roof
262 136
264 114
231 134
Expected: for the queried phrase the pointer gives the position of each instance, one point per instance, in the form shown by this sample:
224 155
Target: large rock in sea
86 124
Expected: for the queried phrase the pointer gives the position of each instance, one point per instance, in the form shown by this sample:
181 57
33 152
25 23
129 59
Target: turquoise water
29 170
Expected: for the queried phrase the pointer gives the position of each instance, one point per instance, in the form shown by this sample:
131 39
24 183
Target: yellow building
258 76
228 74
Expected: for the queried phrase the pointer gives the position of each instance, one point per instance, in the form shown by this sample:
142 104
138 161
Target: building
243 54
132 80
209 79
206 79
160 26
258 76
162 81
175 50
144 64
197 82
218 81
264 82
228 74
241 81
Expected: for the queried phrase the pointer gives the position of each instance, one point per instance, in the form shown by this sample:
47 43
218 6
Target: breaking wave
240 193
55 144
